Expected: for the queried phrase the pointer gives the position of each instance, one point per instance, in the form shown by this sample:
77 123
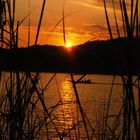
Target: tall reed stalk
23 101
130 26
40 21
64 30
80 106
18 103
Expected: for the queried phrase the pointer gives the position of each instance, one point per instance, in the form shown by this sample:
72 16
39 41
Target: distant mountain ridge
118 56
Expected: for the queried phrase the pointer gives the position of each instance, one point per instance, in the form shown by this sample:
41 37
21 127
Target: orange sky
86 21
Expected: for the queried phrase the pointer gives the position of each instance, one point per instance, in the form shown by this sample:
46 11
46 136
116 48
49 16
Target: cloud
99 3
96 31
109 2
90 4
100 32
95 27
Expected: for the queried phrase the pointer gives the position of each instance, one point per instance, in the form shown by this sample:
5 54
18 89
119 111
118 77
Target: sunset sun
68 45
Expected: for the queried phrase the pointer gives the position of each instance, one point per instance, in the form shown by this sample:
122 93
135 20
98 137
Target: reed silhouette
24 113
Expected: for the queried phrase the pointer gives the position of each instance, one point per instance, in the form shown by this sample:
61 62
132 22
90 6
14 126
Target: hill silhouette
118 56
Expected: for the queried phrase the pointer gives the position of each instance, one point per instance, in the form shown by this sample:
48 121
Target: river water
66 117
93 98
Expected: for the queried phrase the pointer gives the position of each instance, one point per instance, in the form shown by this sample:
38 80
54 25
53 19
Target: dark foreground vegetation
24 113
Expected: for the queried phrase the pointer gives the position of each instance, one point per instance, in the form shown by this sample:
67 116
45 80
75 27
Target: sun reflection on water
66 111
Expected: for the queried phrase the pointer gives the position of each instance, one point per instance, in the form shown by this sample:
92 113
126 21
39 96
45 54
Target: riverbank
118 56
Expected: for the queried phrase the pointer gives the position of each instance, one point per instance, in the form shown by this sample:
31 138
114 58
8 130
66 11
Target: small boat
85 81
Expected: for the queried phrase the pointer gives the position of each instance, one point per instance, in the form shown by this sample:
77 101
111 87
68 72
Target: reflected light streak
66 112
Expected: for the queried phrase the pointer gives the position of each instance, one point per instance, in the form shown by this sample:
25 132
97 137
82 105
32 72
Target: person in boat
85 81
